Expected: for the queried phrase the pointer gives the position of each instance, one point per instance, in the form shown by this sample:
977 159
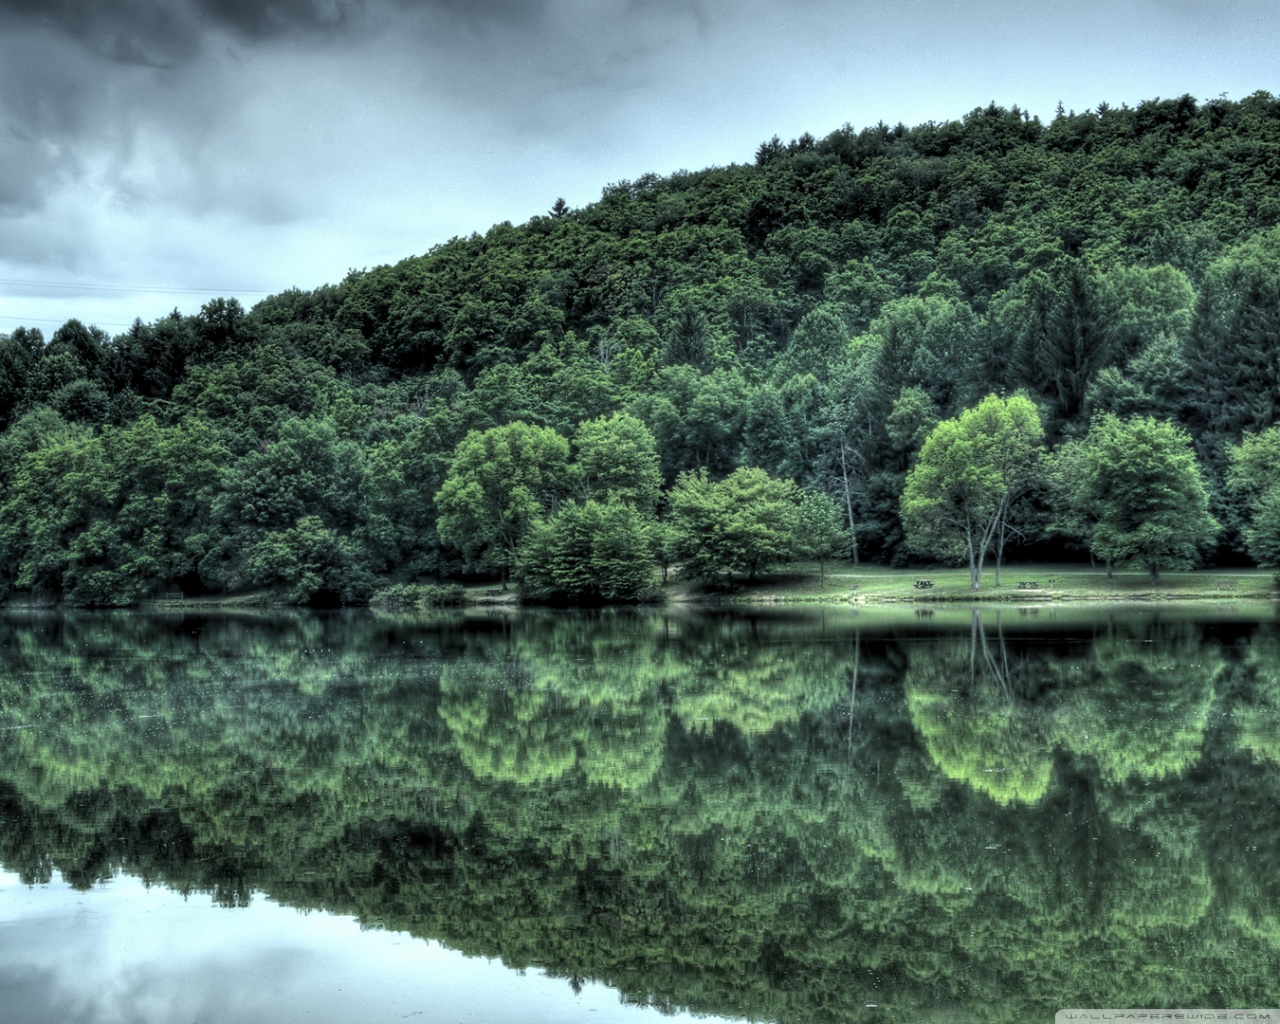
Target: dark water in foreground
808 817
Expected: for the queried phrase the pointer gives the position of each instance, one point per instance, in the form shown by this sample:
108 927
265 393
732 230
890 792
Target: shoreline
1035 586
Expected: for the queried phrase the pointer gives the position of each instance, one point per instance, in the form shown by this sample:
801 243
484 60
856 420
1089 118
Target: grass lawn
874 584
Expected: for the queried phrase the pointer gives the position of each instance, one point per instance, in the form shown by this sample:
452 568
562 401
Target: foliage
815 312
418 595
499 481
1255 476
741 524
971 470
820 529
617 457
588 552
1135 488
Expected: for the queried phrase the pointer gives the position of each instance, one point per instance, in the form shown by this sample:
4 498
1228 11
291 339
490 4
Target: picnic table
1028 585
923 584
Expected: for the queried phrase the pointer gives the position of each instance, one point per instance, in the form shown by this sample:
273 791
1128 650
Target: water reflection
780 817
127 953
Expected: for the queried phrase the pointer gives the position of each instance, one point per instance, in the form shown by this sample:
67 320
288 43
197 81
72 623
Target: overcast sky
157 153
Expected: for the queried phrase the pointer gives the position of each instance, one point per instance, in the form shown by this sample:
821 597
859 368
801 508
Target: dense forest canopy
811 317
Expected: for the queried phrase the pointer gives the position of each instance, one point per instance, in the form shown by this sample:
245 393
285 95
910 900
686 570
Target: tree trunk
984 543
975 621
848 500
1000 534
853 689
1155 574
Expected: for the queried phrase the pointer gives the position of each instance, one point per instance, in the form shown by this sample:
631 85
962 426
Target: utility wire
151 289
51 320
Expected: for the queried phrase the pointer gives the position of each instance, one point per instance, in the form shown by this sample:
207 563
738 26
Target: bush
419 595
586 554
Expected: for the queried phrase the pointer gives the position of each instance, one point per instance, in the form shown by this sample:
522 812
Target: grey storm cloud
162 33
82 81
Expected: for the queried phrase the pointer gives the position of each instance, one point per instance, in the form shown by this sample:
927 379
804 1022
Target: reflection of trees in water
1137 705
545 790
1104 856
1256 709
962 703
508 724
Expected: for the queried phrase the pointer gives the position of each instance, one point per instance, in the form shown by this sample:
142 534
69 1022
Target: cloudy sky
157 153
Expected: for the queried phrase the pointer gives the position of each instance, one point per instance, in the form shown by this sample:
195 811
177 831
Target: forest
987 338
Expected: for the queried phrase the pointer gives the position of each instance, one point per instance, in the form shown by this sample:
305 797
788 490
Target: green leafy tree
696 418
1255 477
617 457
931 342
587 552
820 529
308 469
958 498
910 421
19 352
820 344
741 524
312 563
663 544
106 519
1232 341
1135 491
499 481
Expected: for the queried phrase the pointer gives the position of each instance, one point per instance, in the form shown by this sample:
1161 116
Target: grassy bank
844 582
1019 584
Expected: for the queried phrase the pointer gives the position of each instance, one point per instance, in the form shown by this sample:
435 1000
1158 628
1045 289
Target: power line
51 320
125 289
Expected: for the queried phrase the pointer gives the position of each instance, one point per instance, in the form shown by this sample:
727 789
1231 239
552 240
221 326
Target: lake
821 815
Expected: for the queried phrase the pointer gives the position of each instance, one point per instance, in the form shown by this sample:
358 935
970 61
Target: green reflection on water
783 817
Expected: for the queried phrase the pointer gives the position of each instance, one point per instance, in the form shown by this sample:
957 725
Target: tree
1062 336
696 418
820 343
499 481
617 457
105 519
588 551
970 471
931 342
19 353
743 523
1016 442
850 434
820 531
1136 492
1255 477
307 469
1232 342
311 563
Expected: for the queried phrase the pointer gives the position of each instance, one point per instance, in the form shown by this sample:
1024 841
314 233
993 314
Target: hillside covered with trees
985 338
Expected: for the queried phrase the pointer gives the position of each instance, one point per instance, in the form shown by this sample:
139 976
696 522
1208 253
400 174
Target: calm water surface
826 816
